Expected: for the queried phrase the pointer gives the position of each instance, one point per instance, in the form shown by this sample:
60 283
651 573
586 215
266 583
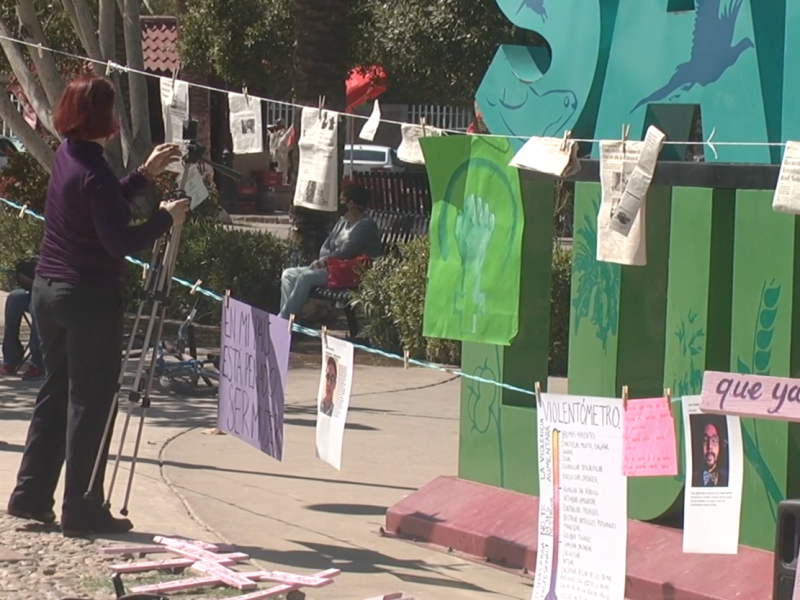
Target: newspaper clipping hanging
409 150
174 108
370 128
245 124
618 160
318 172
556 156
638 184
787 193
333 399
583 499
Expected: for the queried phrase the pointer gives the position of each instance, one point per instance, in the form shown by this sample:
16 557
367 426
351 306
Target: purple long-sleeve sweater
87 231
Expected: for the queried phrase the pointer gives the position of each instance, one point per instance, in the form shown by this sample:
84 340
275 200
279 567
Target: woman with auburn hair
78 303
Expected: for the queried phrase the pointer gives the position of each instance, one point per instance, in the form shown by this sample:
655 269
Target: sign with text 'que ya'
756 396
255 361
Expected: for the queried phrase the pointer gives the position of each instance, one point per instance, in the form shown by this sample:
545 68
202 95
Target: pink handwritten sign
756 396
650 449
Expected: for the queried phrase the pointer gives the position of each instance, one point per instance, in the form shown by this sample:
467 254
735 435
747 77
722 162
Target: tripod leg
114 405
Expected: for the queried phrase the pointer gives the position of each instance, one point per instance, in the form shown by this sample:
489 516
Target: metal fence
443 117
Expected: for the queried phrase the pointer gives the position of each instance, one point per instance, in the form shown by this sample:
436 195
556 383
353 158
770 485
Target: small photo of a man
329 389
709 435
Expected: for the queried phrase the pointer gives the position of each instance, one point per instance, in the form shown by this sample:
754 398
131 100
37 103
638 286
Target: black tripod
156 290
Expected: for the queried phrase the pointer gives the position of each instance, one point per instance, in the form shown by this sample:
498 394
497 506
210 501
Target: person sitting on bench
18 303
355 234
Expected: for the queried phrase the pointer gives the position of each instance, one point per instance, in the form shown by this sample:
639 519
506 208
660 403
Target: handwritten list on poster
253 369
650 448
583 499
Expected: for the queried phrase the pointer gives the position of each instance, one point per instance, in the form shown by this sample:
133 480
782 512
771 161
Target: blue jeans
17 304
296 285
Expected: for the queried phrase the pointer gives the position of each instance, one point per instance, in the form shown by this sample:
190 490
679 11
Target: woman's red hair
86 110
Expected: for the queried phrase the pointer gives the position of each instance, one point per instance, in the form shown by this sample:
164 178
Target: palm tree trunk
320 69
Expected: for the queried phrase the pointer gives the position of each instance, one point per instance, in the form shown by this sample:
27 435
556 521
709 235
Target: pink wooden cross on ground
395 596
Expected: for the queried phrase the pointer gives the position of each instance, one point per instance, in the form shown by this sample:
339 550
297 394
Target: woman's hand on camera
177 209
161 157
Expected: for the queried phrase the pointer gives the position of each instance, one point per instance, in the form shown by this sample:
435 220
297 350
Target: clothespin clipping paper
555 156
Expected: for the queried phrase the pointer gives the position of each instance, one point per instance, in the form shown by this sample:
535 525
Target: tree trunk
320 69
140 106
30 139
50 78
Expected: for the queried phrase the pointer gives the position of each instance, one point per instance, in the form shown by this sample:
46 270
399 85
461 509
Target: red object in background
365 84
271 178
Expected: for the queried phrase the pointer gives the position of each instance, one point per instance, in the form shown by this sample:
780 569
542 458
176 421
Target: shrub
25 181
392 296
19 238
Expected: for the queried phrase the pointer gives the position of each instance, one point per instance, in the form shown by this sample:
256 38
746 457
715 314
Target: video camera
194 152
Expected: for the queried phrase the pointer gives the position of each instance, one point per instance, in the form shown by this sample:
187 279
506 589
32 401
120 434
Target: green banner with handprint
476 238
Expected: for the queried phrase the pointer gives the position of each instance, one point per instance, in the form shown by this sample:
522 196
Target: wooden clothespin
422 123
291 322
537 387
624 397
246 96
175 75
227 298
668 398
23 210
405 359
111 66
567 136
626 131
324 335
321 106
41 50
196 285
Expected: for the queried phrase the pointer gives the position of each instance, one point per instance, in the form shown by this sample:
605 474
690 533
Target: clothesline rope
113 66
24 210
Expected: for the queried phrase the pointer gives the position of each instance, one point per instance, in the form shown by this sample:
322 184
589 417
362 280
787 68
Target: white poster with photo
333 399
174 108
318 172
712 498
245 124
583 499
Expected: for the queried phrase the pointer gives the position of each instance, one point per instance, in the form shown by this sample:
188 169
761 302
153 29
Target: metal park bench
401 206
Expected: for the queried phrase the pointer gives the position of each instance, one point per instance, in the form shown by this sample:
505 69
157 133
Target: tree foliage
434 51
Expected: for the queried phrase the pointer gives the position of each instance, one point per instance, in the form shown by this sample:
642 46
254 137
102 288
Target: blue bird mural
536 6
713 51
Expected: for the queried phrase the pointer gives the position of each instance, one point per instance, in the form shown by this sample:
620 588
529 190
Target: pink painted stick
153 549
186 549
299 580
185 584
395 596
174 563
226 575
285 588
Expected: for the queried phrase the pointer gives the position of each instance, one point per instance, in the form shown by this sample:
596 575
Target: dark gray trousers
81 330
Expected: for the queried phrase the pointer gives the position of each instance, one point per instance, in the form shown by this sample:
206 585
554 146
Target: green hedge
392 297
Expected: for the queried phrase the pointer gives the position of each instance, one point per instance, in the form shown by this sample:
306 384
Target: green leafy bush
25 181
392 296
19 238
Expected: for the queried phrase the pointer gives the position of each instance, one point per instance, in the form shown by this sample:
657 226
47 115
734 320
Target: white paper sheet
616 167
370 128
712 503
583 499
174 108
317 174
409 150
195 187
638 183
245 124
333 399
787 192
555 156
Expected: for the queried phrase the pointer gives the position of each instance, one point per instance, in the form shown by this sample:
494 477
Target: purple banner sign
755 396
255 361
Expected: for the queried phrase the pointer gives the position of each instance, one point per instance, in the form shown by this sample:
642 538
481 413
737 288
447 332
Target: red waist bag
346 273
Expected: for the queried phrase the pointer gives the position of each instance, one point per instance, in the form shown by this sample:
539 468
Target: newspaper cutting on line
638 183
556 156
617 162
410 151
174 108
370 128
318 170
195 187
787 192
245 124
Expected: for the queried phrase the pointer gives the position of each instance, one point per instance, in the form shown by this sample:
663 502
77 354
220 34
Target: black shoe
103 524
47 517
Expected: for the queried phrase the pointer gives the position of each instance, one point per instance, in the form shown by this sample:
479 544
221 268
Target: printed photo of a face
248 126
329 387
709 435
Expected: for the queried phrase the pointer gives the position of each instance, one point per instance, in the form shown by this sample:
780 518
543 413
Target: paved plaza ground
298 515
